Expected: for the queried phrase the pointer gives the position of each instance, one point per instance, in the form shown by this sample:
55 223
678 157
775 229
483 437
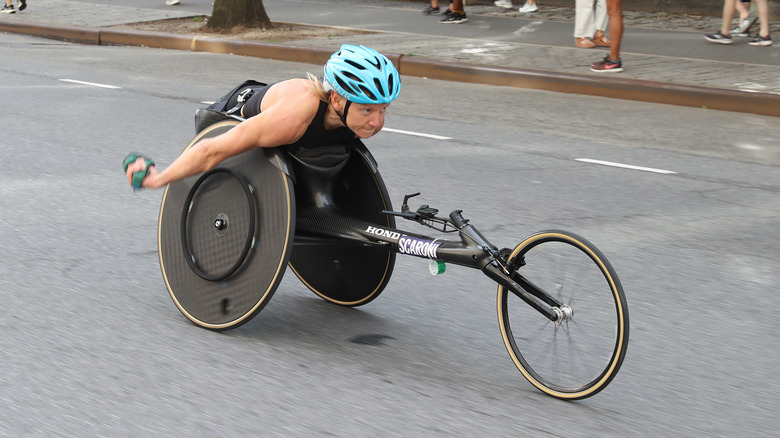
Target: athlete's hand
139 170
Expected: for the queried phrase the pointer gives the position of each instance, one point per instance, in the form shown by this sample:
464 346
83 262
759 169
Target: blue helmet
362 75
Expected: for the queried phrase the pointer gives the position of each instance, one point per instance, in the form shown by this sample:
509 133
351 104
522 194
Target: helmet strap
343 115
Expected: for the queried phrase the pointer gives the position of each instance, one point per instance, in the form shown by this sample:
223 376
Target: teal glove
139 176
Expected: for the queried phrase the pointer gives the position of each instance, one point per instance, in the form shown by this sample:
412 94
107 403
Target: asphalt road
92 345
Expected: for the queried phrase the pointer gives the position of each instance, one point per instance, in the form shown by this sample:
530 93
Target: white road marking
750 147
91 84
625 166
418 134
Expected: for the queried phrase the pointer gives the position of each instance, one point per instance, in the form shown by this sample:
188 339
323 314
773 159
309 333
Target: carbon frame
473 251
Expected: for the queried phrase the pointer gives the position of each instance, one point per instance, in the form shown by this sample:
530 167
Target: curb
617 88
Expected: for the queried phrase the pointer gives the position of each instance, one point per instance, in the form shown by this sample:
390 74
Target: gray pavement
493 47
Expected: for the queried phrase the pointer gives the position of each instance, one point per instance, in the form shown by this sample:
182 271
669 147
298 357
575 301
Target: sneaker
454 17
607 65
22 5
746 24
506 4
8 10
527 7
758 40
171 2
431 10
448 12
718 38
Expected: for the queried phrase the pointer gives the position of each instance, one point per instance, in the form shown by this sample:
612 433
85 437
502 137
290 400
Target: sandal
584 43
600 39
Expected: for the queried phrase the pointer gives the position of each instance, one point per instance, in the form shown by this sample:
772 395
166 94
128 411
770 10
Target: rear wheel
578 356
342 272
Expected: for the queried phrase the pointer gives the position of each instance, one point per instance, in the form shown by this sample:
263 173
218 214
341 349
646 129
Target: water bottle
437 267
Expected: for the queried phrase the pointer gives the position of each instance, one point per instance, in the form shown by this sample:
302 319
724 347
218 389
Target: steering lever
405 205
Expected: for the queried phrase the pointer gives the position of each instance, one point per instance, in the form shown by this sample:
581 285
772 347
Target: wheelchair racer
349 102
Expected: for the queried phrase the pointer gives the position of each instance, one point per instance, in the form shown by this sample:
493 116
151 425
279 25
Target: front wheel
578 356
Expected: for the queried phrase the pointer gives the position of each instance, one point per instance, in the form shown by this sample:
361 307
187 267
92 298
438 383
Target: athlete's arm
283 121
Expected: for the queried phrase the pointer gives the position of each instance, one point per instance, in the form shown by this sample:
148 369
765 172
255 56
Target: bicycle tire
220 277
573 359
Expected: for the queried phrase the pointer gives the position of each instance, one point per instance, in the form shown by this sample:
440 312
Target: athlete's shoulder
293 94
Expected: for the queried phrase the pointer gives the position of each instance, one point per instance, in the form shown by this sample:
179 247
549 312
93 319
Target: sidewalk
493 47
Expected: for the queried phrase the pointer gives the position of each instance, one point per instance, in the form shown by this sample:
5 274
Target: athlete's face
366 119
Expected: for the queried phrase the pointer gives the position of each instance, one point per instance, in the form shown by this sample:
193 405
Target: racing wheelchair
227 236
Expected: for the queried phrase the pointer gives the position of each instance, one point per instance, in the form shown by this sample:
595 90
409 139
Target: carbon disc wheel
225 237
341 272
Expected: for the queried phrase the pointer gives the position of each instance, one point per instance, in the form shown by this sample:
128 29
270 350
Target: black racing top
316 141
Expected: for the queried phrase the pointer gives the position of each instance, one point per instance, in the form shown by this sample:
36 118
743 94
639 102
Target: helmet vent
379 88
367 92
354 64
377 64
390 83
345 86
351 76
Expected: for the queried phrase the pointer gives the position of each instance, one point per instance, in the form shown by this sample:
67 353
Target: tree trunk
228 14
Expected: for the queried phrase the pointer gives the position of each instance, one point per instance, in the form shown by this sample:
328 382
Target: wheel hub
563 314
221 224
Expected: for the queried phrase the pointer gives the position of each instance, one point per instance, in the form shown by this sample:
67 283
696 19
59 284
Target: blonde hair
319 87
